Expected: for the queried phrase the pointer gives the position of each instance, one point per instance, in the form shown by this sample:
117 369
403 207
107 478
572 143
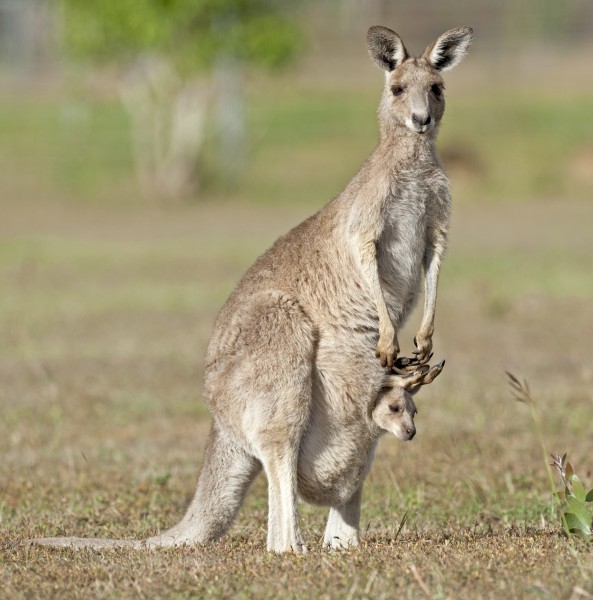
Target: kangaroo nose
421 120
411 432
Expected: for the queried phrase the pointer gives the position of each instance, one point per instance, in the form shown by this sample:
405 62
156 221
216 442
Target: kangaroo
290 377
331 478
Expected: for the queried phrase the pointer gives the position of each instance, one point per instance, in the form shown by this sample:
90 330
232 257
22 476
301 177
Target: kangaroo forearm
430 299
432 266
432 263
368 259
387 345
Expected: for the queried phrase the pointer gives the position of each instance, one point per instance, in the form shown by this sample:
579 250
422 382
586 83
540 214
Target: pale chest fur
419 202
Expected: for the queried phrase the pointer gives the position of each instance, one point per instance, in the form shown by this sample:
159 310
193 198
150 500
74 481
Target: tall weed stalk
522 393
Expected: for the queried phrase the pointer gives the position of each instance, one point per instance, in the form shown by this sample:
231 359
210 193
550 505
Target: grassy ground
107 304
498 145
104 321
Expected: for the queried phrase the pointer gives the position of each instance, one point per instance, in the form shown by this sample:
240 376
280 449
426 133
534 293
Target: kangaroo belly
336 447
333 466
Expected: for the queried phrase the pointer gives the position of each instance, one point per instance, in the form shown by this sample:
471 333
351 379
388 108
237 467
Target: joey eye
394 409
397 90
436 89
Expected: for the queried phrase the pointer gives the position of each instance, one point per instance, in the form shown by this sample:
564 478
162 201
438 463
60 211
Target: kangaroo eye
436 89
394 409
398 90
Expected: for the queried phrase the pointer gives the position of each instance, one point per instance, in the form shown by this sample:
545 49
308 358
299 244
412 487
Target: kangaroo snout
411 431
421 119
421 122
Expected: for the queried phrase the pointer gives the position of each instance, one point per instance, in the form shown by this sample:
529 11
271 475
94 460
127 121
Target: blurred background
151 149
186 102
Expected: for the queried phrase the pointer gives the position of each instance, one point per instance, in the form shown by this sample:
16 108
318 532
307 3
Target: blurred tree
181 56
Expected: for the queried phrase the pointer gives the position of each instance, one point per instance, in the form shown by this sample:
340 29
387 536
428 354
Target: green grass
305 143
102 426
512 275
526 141
107 305
72 145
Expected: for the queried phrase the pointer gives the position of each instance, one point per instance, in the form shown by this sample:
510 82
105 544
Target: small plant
574 499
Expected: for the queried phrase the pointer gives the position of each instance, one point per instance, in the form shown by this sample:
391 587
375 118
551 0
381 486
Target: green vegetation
497 149
190 34
181 65
576 517
108 300
102 334
73 146
573 498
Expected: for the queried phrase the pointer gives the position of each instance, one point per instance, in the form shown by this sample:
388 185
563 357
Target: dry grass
104 317
447 563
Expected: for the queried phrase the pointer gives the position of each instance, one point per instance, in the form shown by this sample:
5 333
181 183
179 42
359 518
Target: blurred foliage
192 34
524 148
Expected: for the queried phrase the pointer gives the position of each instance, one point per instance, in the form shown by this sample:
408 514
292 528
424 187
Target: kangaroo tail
226 474
91 543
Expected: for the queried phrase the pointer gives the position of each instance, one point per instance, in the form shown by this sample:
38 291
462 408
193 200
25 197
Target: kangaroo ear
386 48
448 51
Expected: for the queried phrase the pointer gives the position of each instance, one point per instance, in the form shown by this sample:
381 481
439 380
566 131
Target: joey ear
386 48
449 49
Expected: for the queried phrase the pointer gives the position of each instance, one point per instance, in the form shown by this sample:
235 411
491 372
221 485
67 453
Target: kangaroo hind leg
343 523
281 407
280 464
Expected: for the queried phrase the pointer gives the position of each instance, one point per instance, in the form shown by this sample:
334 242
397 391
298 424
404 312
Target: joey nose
421 120
411 432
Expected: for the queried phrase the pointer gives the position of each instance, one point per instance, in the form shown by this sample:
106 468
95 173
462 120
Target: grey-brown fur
291 374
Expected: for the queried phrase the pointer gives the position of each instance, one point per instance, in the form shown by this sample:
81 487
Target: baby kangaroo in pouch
298 373
394 409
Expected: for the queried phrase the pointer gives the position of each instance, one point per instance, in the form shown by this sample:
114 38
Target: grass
102 331
497 146
107 304
503 146
419 567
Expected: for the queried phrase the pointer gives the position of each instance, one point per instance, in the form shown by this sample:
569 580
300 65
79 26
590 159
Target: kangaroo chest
402 245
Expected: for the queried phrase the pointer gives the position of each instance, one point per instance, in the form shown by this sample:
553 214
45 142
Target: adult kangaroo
291 375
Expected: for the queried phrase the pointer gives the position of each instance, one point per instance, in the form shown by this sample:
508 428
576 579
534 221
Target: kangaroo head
413 96
395 411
